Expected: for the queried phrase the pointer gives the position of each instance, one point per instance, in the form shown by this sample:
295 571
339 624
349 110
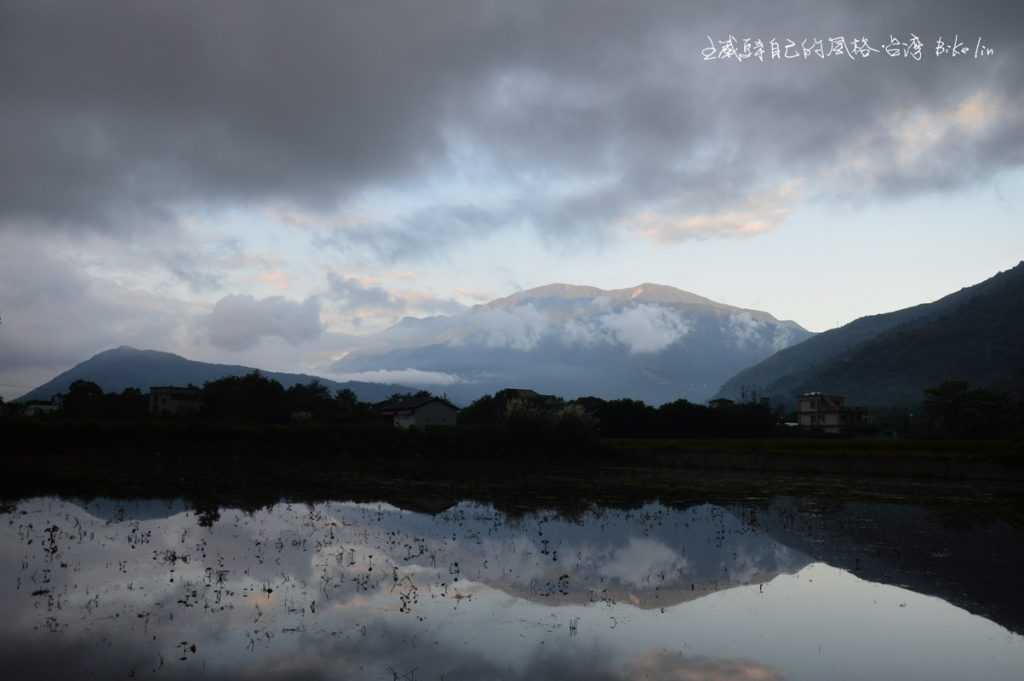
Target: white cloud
646 328
782 338
747 331
641 328
924 145
56 314
744 328
238 322
363 304
519 328
584 333
759 213
918 132
354 293
413 377
639 559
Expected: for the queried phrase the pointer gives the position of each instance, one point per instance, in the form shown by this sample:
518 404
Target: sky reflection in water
337 591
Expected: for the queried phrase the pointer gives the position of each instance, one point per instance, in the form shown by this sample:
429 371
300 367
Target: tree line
622 417
953 410
957 410
251 398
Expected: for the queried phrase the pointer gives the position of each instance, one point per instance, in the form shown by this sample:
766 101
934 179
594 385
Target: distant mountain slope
975 334
650 342
126 367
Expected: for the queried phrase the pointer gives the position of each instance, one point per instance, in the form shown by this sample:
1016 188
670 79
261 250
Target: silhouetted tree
955 409
348 408
346 401
626 418
252 397
85 399
313 398
396 397
130 404
485 411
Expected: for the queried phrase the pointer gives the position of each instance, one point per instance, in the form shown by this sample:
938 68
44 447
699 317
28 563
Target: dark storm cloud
419 232
114 114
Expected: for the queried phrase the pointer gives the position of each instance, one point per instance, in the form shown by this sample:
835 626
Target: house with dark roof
418 411
524 399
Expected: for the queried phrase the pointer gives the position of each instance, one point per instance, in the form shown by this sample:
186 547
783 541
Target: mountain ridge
652 342
124 366
889 359
646 292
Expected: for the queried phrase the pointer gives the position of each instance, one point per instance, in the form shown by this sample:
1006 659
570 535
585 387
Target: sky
264 183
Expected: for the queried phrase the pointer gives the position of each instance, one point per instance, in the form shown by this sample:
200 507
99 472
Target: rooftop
410 403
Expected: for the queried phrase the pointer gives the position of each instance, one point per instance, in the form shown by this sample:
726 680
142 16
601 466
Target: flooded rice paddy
778 590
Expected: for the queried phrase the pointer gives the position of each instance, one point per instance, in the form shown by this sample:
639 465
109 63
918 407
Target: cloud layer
239 322
640 328
55 314
169 170
563 116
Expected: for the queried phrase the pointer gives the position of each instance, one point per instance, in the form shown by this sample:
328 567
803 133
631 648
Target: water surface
115 589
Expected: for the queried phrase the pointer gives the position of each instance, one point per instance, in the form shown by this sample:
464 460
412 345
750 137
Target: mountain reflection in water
354 591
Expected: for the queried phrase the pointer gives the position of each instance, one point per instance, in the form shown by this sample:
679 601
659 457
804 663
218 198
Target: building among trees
828 413
175 401
418 411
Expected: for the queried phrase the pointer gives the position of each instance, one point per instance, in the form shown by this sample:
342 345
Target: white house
419 412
